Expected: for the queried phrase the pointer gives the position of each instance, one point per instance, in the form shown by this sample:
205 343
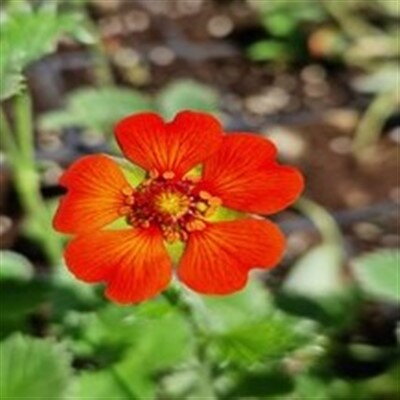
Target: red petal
218 259
94 195
244 174
176 146
133 262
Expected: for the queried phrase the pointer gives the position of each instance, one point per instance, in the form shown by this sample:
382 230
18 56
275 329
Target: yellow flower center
172 203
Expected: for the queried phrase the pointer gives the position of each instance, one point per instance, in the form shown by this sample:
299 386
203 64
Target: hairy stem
194 315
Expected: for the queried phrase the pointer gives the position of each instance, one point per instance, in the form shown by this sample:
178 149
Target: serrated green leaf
15 266
26 36
378 274
96 109
33 369
186 95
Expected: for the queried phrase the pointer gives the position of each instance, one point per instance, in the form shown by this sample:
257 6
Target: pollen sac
172 205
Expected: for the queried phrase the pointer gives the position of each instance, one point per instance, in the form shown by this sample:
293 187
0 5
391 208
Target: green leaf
378 274
33 369
19 299
15 266
262 385
186 95
42 27
245 328
318 273
105 384
96 109
266 50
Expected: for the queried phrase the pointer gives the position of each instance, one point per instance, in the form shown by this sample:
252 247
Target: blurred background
320 78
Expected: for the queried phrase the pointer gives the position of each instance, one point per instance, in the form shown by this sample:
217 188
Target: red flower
239 171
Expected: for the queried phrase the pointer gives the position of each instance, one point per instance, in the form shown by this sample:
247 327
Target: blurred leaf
378 274
186 95
33 369
26 36
280 23
15 266
69 293
256 342
96 109
105 384
261 385
318 273
245 328
377 81
267 50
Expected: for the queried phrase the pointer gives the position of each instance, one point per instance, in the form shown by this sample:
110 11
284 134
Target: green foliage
26 35
20 292
132 345
186 95
96 109
316 288
14 266
378 274
99 109
247 330
33 369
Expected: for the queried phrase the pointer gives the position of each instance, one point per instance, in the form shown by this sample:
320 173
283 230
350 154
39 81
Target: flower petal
94 195
176 146
217 260
245 175
133 262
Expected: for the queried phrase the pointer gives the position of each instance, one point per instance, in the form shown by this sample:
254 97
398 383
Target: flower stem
19 147
371 124
194 314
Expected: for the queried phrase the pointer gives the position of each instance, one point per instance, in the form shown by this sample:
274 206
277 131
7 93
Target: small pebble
126 57
136 21
342 118
162 56
313 74
5 224
341 145
394 135
220 26
367 231
290 143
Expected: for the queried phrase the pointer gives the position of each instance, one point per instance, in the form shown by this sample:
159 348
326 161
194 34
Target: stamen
124 210
127 191
154 174
195 225
205 195
168 175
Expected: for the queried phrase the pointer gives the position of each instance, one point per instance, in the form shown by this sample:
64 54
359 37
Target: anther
127 191
129 200
124 210
154 174
145 224
168 175
215 201
195 225
205 195
202 207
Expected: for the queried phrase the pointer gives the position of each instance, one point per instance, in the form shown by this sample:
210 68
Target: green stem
373 120
21 153
23 126
194 316
322 219
6 136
